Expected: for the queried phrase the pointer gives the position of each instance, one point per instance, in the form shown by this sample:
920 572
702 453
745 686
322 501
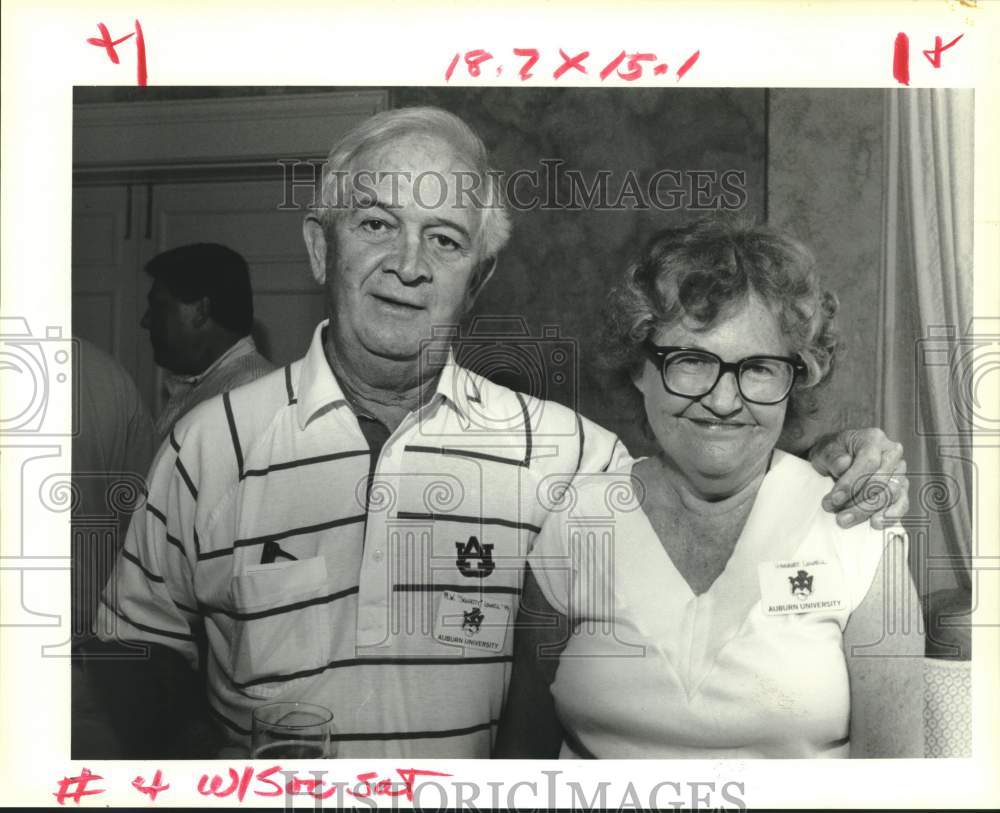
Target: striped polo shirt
384 589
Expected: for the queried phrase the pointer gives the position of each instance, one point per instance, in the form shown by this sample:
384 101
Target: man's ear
199 312
479 280
315 237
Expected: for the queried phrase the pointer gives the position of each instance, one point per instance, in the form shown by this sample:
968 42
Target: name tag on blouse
475 622
801 586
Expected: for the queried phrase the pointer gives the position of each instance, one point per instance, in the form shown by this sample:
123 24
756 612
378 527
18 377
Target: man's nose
408 262
725 398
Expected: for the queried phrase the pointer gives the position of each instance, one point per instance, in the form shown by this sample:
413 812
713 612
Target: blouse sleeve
862 549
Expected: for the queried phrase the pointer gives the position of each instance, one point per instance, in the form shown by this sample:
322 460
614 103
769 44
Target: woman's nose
724 399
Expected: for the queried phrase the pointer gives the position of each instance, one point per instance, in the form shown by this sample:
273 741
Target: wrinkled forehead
412 151
421 169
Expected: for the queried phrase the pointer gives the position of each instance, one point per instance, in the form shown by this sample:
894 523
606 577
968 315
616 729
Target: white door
105 257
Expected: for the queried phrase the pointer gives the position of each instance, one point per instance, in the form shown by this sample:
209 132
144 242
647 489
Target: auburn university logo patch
474 561
802 585
472 620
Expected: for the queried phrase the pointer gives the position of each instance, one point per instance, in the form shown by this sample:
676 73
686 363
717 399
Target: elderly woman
704 604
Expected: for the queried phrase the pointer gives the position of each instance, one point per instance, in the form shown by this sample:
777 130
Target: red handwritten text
626 66
239 784
154 788
901 55
386 787
79 785
109 44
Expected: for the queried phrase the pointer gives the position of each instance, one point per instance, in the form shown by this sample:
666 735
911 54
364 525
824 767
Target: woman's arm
529 728
884 644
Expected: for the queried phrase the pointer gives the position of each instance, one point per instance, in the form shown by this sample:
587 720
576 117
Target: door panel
105 269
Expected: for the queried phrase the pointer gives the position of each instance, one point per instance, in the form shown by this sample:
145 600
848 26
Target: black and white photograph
641 298
413 424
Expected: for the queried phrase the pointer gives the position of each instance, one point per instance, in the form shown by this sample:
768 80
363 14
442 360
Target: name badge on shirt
475 622
801 586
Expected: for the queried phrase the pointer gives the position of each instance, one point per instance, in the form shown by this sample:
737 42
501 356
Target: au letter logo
474 560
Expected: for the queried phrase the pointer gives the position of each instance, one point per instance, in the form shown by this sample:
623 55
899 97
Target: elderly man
351 530
199 318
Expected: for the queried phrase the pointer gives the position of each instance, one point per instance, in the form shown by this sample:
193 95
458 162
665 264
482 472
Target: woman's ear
316 246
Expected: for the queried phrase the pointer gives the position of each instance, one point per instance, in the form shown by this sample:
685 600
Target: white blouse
653 670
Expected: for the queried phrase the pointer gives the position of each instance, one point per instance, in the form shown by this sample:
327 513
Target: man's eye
445 242
374 225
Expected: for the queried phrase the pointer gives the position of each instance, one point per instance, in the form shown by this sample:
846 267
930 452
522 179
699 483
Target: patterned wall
825 186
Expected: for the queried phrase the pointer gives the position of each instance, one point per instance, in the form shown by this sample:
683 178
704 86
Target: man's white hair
390 125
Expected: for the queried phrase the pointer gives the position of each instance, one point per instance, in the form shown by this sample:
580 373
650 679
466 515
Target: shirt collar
461 388
183 383
318 388
243 347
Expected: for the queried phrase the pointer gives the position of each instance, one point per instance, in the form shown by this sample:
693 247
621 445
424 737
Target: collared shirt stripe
260 540
436 517
469 587
350 663
375 735
616 453
527 428
173 540
130 557
474 455
182 470
146 627
286 608
415 735
306 461
583 437
156 512
233 434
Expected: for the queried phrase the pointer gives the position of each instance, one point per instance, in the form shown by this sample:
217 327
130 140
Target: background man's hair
209 270
390 125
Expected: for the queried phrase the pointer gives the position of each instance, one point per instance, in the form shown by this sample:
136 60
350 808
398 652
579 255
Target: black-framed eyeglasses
693 373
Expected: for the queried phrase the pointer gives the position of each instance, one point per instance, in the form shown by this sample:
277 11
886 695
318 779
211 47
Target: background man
329 529
199 320
111 454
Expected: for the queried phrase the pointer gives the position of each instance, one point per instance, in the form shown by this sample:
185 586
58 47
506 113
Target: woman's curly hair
700 272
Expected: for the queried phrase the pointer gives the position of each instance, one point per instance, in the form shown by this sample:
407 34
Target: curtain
926 348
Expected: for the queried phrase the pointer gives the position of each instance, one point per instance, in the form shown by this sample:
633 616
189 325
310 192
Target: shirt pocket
283 626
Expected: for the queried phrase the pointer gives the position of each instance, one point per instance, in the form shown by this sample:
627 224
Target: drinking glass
292 730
